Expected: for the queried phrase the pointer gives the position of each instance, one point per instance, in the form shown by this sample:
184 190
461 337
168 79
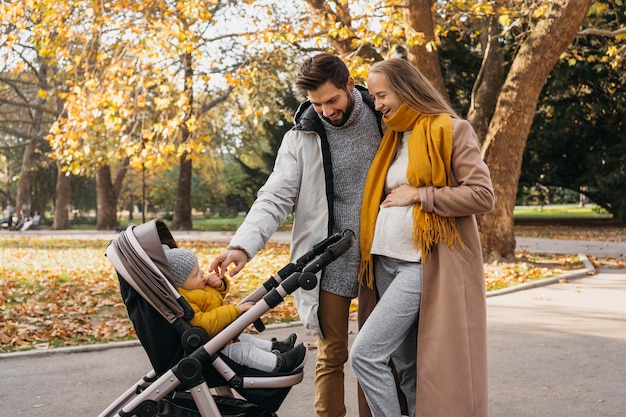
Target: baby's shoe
284 345
291 360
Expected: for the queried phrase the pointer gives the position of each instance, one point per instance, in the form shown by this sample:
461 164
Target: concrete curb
578 273
104 346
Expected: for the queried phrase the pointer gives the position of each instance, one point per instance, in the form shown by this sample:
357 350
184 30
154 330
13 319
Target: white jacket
298 184
295 185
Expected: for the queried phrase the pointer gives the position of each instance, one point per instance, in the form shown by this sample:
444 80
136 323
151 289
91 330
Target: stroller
190 377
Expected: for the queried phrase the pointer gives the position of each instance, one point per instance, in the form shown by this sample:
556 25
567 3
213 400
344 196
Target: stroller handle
306 279
341 244
337 244
303 269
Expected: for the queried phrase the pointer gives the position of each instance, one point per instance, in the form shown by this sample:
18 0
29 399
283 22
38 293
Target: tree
508 131
25 115
62 202
578 140
424 54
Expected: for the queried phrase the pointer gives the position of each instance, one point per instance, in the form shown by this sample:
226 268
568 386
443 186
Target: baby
205 293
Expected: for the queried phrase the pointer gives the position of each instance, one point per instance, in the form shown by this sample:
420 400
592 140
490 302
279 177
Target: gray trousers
390 332
252 352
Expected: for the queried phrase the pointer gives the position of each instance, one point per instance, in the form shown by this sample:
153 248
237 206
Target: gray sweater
352 148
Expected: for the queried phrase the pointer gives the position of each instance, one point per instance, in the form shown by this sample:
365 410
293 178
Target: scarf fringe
366 272
432 229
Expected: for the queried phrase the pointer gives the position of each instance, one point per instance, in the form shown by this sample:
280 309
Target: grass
557 214
561 211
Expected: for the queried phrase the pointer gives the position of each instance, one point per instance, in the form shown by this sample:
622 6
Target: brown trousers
332 354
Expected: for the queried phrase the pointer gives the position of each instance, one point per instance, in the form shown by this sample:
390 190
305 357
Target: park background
118 112
177 107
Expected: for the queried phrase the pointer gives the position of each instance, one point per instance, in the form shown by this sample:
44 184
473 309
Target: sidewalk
536 245
554 351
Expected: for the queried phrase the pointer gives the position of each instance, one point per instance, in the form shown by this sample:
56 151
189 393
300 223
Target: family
395 164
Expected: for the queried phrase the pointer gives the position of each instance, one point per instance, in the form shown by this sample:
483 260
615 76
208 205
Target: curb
105 346
578 273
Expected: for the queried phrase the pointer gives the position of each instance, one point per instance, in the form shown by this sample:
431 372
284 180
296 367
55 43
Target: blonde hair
412 87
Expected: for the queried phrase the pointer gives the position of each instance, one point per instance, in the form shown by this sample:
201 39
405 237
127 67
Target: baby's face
196 279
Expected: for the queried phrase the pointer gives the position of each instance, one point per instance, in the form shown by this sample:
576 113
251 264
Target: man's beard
346 114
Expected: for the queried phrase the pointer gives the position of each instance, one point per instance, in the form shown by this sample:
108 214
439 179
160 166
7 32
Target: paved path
554 351
536 245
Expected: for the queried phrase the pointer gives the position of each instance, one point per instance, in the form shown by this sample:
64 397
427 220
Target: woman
421 249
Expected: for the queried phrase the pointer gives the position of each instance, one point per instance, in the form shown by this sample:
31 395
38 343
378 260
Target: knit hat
182 262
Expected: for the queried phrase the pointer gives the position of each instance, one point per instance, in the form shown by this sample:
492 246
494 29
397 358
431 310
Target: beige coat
452 335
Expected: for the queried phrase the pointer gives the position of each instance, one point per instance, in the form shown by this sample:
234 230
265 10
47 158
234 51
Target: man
319 174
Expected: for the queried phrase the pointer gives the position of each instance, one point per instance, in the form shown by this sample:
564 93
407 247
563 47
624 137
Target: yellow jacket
210 313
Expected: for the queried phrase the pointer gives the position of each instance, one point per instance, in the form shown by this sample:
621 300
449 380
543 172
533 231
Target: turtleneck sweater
352 148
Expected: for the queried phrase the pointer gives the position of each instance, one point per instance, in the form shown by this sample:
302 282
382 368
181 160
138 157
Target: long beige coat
452 335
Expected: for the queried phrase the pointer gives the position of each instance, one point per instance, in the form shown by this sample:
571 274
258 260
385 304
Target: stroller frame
142 398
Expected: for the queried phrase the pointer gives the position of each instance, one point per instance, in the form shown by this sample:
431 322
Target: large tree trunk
62 201
182 208
489 79
425 57
506 139
28 159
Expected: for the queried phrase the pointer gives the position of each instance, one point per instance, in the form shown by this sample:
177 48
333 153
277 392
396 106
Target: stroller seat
190 377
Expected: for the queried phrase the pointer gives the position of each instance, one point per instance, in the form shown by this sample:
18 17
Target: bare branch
209 105
602 32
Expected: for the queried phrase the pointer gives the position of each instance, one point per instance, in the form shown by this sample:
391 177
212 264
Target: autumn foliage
65 292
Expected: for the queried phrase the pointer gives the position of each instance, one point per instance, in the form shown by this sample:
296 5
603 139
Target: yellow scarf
430 150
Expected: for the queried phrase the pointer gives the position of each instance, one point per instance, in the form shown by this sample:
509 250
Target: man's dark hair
317 70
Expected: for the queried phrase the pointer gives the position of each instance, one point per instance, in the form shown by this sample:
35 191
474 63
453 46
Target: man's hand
237 257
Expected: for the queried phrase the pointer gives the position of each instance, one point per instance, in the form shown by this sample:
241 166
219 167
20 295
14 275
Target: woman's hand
403 195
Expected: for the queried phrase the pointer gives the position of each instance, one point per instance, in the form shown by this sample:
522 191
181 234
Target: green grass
522 213
203 224
560 211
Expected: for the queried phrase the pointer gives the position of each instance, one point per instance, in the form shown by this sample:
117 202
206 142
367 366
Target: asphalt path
536 245
555 350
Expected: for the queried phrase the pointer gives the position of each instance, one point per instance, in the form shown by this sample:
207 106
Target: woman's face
385 100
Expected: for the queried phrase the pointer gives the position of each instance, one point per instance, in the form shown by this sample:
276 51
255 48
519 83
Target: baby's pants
390 332
252 352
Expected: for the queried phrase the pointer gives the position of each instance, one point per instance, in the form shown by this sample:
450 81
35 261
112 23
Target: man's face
332 103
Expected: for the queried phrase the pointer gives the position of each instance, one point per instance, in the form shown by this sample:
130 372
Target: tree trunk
22 201
182 208
107 193
505 141
106 216
425 57
28 159
62 201
489 79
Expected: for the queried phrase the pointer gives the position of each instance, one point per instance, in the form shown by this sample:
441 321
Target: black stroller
190 377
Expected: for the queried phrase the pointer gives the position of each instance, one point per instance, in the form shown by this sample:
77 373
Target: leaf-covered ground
65 292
